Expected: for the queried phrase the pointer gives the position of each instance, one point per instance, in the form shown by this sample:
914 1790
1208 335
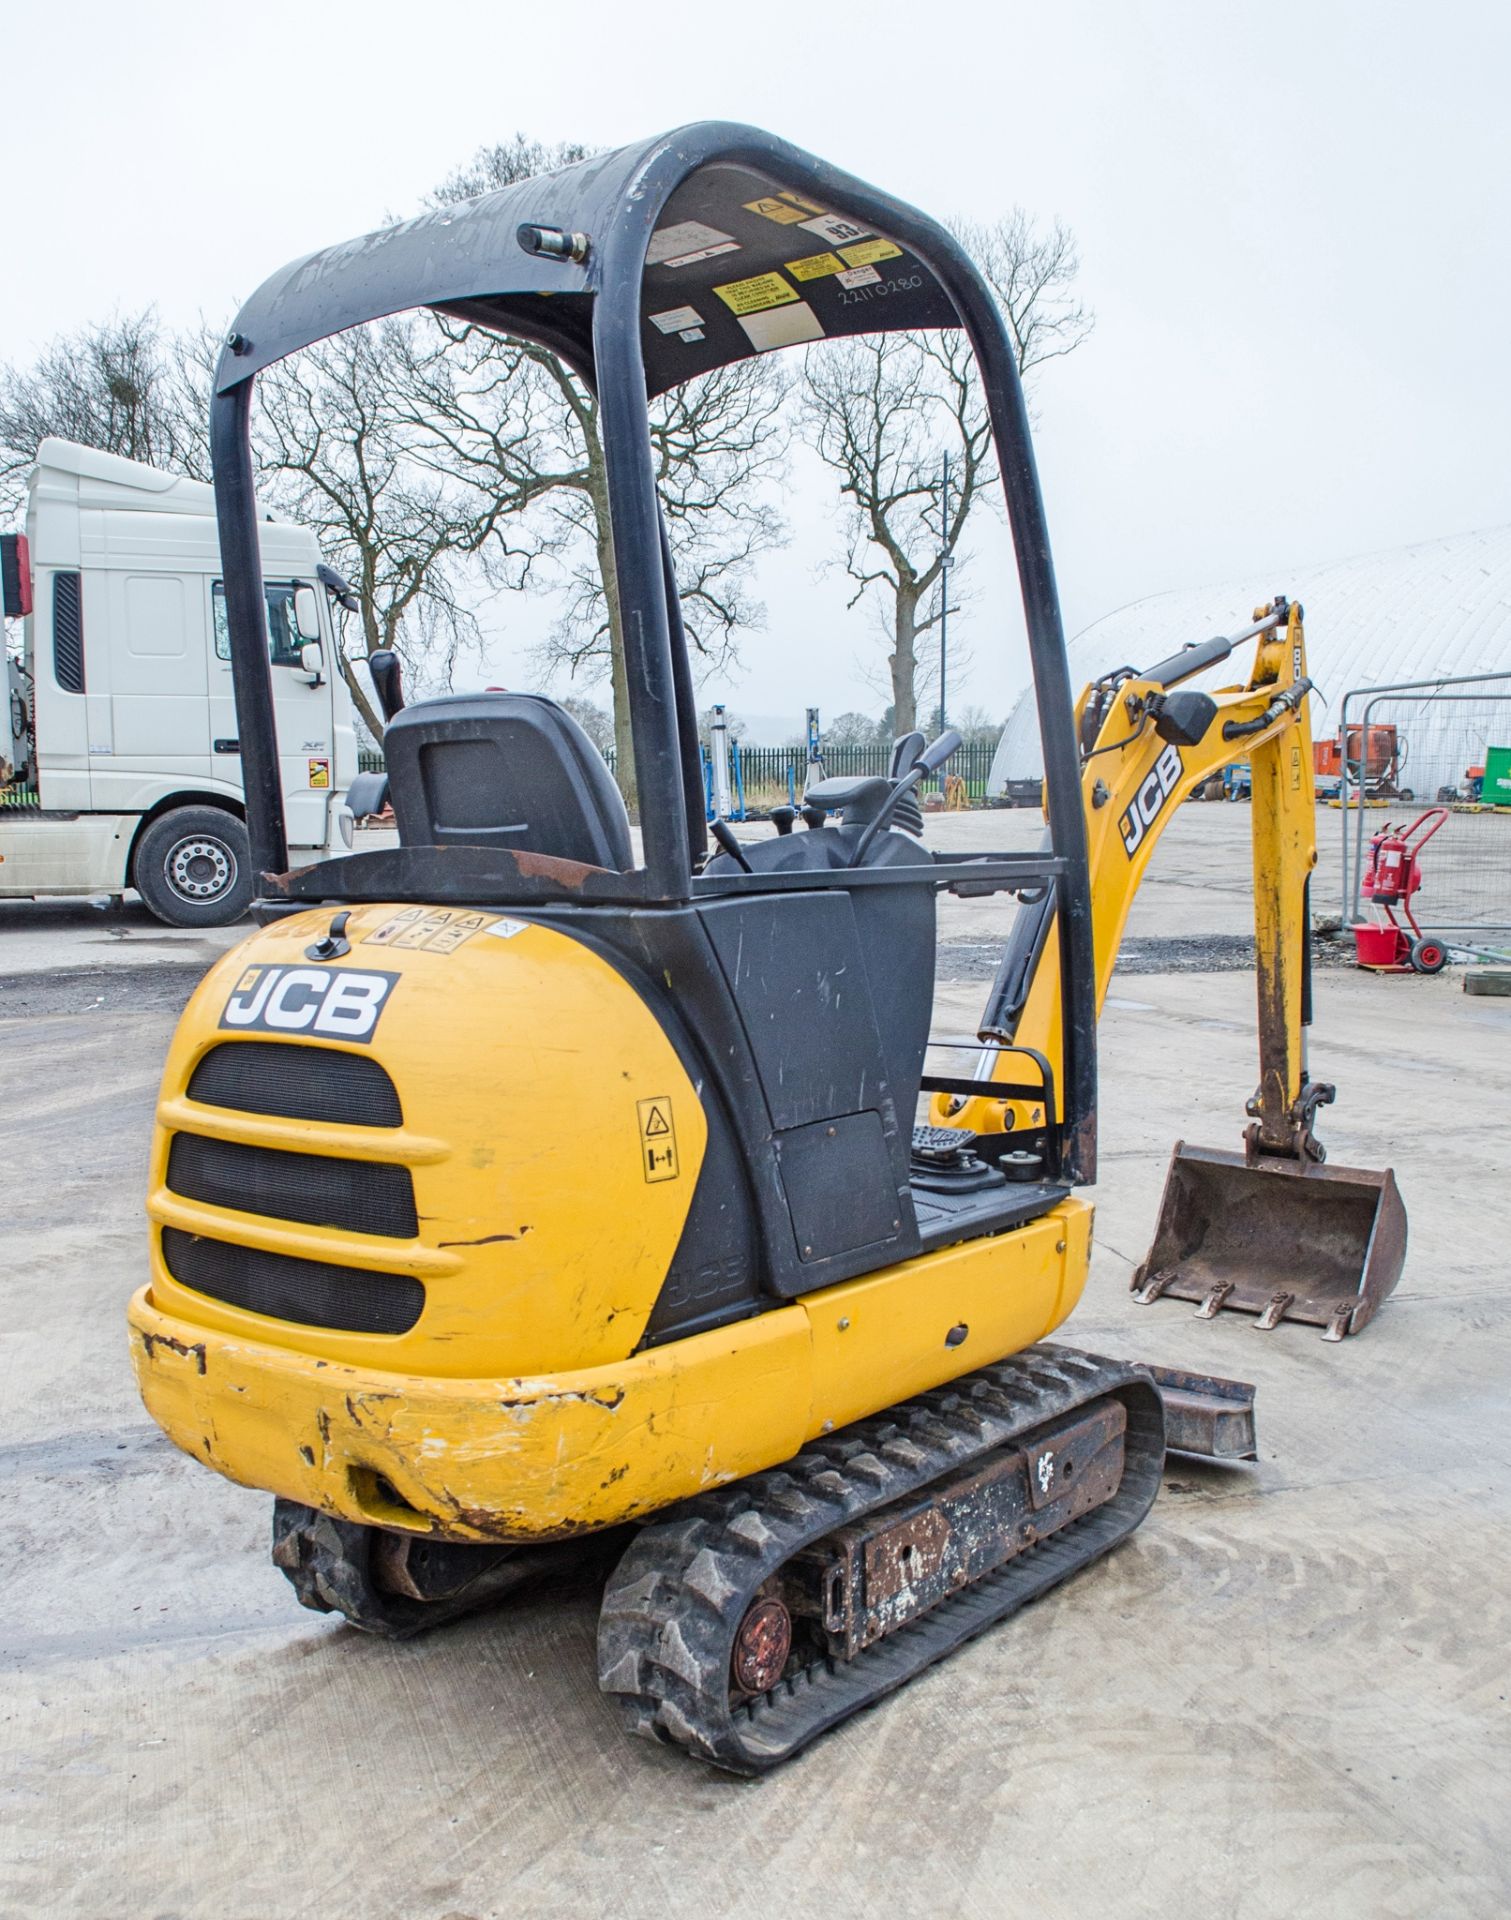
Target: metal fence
770 775
1444 732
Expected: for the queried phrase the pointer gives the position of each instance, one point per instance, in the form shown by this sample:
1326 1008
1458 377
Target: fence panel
771 775
1444 737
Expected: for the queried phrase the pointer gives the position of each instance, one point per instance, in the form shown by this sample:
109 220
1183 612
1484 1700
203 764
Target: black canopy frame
694 227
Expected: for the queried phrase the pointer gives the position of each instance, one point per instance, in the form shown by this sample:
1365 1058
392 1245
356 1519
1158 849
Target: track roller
752 1619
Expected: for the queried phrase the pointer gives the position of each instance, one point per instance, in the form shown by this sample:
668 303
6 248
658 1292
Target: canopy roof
729 241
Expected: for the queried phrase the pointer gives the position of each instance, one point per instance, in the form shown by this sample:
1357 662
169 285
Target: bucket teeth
1153 1287
1212 1305
1274 1313
1337 1324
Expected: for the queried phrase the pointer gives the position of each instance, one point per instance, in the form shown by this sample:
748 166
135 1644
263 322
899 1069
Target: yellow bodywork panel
552 1135
523 1458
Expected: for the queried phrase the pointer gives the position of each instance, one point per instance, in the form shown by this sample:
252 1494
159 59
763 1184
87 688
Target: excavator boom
1267 1230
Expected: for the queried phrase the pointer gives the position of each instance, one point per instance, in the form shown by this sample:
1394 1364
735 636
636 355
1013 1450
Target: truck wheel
193 867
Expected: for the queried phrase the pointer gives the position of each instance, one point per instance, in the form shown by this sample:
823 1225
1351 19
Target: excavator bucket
1281 1239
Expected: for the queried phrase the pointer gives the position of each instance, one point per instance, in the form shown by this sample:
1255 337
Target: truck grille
297 1083
310 1293
363 1196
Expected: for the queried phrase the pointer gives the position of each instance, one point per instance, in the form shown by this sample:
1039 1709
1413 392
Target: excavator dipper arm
1147 746
1270 1230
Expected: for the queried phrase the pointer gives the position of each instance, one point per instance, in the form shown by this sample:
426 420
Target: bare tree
341 447
512 415
852 730
112 385
595 723
885 410
976 727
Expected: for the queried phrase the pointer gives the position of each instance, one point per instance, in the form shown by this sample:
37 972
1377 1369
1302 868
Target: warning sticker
836 229
756 295
782 211
506 929
320 773
677 319
658 1139
687 241
870 250
859 277
815 266
786 326
692 333
436 929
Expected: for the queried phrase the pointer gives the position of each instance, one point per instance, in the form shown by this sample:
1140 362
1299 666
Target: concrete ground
1288 1692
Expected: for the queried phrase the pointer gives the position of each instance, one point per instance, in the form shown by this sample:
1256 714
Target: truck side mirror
312 662
306 613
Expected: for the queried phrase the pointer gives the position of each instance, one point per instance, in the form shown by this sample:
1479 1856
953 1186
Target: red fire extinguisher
1392 875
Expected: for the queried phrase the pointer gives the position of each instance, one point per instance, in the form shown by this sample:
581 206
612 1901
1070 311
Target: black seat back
509 770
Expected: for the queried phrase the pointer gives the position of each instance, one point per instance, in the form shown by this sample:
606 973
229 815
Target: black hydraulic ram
1202 654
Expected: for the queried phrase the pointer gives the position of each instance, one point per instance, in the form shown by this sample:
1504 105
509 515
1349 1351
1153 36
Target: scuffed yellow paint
527 1458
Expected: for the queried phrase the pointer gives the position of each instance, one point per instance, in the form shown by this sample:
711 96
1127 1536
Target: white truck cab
119 764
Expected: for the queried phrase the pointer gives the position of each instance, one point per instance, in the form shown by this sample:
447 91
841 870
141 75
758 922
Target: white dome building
1441 608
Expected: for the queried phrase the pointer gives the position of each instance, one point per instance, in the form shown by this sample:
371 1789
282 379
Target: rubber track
676 1599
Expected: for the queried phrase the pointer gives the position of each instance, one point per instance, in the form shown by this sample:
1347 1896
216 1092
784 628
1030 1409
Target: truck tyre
193 867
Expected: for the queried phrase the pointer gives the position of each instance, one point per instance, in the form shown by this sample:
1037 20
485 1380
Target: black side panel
68 632
740 1216
794 965
794 969
839 1187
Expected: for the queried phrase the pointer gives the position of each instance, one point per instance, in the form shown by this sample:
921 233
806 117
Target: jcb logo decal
340 1003
1157 787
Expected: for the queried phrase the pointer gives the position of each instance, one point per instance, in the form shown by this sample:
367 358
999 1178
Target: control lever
929 761
782 818
815 816
724 834
387 679
906 749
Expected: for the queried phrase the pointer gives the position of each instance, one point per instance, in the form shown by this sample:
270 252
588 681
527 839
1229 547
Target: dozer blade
1286 1240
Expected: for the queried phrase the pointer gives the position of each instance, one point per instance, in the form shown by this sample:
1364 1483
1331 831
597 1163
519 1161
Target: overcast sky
1293 219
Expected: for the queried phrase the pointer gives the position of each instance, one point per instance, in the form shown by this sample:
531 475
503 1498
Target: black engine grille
308 1292
360 1195
298 1083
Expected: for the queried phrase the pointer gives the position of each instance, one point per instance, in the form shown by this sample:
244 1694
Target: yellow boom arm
1147 748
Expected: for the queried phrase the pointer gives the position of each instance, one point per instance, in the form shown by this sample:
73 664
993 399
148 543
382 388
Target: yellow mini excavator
514 1195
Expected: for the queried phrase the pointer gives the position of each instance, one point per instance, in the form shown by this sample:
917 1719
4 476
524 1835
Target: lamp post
944 588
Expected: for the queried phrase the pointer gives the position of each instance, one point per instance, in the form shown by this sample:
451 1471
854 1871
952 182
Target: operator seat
505 770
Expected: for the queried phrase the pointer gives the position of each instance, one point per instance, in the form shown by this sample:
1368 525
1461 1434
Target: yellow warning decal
815 266
778 210
320 773
658 1139
756 295
865 251
436 929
